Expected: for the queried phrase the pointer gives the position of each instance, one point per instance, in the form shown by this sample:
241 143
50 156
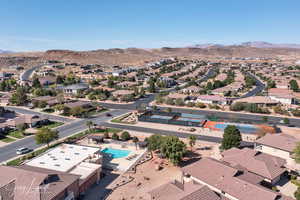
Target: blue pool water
116 153
244 128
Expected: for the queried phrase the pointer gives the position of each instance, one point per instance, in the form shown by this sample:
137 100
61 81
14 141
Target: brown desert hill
130 56
137 56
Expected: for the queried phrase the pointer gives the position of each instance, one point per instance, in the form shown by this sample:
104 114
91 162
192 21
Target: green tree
45 136
271 84
286 121
125 136
110 83
209 86
265 119
89 124
115 136
297 193
135 140
154 142
294 85
179 102
77 111
59 107
152 88
19 97
36 83
60 79
42 104
169 101
231 138
192 140
173 149
297 153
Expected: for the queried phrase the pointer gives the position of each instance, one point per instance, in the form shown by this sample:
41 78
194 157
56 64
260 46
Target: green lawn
95 112
7 140
52 125
16 134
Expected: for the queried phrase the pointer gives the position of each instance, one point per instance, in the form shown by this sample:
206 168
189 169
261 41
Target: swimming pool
116 153
244 128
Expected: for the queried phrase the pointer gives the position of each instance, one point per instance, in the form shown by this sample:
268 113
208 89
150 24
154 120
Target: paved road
31 112
9 151
25 76
168 133
259 87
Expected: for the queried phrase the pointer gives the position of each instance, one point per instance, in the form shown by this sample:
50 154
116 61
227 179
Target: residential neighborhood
149 100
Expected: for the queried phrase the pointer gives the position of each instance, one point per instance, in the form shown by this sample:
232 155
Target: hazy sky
96 24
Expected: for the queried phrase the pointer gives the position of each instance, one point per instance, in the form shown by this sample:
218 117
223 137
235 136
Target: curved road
259 87
25 76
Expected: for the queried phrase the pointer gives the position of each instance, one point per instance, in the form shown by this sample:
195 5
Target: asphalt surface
74 126
31 112
71 127
259 87
25 76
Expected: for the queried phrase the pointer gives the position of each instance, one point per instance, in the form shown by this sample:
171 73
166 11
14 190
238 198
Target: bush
297 193
214 106
279 110
125 136
179 102
115 136
239 106
201 105
190 104
42 104
169 101
296 112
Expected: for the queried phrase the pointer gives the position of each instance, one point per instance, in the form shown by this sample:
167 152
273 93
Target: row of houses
241 174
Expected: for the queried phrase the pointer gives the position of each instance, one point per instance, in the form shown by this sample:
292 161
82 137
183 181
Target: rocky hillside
134 56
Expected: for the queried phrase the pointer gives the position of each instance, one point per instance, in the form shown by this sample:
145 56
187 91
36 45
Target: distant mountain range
5 51
255 44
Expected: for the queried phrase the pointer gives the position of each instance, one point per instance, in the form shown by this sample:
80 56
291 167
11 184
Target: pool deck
119 164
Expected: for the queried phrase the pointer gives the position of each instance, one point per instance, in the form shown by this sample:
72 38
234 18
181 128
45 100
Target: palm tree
135 140
265 119
89 124
192 140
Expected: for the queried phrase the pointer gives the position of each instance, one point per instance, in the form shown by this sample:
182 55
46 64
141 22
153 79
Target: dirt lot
147 177
290 131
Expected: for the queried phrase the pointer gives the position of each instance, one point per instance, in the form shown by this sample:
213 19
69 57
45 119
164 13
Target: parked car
23 150
108 115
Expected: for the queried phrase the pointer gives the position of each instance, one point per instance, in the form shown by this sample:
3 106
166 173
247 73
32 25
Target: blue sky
33 25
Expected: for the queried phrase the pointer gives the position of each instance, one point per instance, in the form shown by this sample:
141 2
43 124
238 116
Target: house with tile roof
270 168
230 182
280 145
176 190
18 183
